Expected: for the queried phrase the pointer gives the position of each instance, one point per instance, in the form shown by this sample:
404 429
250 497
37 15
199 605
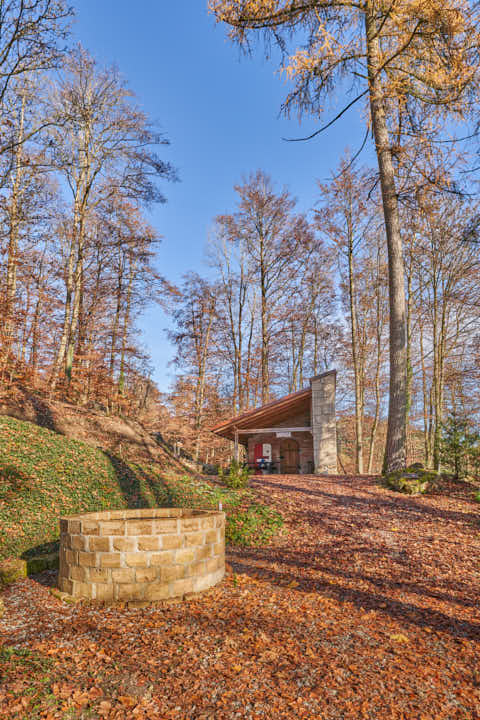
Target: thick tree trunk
395 452
373 434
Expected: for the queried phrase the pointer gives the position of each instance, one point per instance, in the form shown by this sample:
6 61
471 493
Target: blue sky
220 111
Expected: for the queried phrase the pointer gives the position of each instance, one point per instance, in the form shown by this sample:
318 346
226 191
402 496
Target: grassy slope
44 475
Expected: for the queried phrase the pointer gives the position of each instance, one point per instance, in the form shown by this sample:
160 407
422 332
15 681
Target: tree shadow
138 486
415 510
364 600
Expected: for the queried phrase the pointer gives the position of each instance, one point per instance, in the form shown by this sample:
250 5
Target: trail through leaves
341 617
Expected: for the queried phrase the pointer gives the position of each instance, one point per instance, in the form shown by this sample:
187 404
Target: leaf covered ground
366 607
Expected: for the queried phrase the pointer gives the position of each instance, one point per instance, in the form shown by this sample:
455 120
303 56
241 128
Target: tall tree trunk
264 318
425 399
126 325
395 452
14 229
355 358
409 350
378 309
116 317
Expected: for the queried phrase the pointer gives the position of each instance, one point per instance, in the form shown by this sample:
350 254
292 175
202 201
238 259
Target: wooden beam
274 430
235 452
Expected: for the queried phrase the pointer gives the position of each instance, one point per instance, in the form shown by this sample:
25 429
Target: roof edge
318 377
249 413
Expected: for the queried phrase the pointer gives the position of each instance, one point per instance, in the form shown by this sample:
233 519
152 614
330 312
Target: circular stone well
141 556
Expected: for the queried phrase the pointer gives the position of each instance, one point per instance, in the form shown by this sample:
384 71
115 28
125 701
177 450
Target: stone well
140 556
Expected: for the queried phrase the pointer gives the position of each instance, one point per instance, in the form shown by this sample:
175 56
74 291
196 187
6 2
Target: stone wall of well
142 555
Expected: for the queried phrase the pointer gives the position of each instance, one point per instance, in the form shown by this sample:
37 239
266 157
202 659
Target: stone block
162 558
207 523
171 573
203 582
86 559
98 575
145 575
78 573
220 520
212 565
112 527
133 591
74 527
65 585
194 539
77 542
150 542
125 544
112 560
185 556
136 559
157 591
82 589
103 591
190 524
101 544
71 557
204 552
90 527
63 526
180 587
165 525
195 569
211 536
171 542
123 575
139 527
219 548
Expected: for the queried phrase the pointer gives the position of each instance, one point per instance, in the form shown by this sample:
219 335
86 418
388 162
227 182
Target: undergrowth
254 526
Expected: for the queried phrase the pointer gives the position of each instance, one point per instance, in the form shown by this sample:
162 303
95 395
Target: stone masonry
141 556
323 423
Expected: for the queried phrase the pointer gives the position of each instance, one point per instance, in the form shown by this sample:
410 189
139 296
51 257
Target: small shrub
237 475
254 526
411 481
460 447
477 496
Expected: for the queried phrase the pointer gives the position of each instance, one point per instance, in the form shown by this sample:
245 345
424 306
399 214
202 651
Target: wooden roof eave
266 415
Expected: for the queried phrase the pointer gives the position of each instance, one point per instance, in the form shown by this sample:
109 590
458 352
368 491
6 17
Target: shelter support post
235 449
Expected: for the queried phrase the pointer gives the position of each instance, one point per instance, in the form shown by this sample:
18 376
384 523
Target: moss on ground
414 480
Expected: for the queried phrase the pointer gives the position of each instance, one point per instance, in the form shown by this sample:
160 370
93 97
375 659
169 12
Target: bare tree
103 146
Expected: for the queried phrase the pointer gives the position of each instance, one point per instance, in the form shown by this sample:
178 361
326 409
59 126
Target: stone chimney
324 429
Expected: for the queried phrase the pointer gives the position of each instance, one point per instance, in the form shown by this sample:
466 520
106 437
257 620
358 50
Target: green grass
44 475
254 526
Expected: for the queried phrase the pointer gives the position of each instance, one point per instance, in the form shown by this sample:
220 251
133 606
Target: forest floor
367 606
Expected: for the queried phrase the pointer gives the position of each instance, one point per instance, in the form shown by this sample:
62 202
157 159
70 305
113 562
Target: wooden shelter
294 434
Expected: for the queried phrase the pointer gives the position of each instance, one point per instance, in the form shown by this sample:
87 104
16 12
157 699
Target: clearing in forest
367 606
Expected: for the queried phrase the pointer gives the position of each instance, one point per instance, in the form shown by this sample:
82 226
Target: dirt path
368 607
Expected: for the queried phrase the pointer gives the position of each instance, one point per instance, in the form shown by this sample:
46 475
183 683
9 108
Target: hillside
124 437
44 475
